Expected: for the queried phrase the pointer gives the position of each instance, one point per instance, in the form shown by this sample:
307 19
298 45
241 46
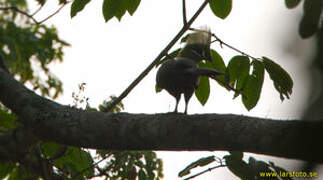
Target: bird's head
197 46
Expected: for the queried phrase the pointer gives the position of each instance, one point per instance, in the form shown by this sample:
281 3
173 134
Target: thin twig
184 12
19 11
233 48
40 7
60 8
200 173
14 8
217 39
157 59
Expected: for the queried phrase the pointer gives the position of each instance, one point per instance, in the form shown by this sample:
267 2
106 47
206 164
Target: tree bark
46 120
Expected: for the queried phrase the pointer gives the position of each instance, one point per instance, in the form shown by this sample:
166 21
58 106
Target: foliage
24 44
252 170
221 8
117 108
245 76
310 21
242 75
202 93
199 163
110 8
68 162
309 24
130 164
29 48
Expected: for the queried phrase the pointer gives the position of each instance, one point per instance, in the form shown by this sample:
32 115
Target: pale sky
109 56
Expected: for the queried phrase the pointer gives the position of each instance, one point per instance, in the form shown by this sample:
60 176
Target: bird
181 75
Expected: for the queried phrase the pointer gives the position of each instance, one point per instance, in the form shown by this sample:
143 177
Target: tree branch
31 16
50 121
157 59
184 12
14 8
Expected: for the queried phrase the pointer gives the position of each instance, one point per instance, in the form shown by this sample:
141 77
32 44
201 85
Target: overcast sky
109 56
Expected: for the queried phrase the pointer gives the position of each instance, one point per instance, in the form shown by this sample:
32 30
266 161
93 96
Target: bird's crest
200 36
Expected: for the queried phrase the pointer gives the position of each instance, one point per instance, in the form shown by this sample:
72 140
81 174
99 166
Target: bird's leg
177 97
186 103
187 95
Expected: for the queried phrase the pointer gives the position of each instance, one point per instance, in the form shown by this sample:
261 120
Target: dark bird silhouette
181 75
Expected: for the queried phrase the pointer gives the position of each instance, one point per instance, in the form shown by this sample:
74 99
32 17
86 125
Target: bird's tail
208 72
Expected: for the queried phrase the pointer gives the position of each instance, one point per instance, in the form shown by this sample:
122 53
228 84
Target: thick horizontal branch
176 132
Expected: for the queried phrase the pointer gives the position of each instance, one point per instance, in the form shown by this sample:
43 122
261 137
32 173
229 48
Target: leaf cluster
28 49
76 163
130 164
110 8
252 170
312 12
69 162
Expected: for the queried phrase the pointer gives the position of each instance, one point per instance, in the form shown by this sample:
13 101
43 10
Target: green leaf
282 81
205 161
6 168
78 6
202 93
200 162
75 160
236 154
41 2
217 64
292 3
253 85
259 168
142 174
158 89
281 171
221 8
114 8
14 175
50 148
238 167
217 61
132 6
7 121
238 70
310 20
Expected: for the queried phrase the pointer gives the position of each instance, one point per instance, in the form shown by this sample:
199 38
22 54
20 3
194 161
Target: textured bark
49 121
